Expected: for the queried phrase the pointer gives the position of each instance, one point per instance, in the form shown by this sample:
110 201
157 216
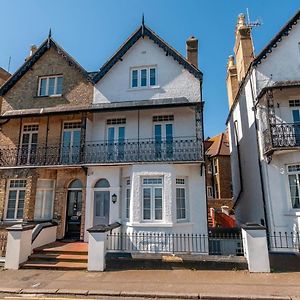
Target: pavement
175 284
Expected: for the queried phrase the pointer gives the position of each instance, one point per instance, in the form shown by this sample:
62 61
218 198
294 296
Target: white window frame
44 198
209 191
18 189
47 86
182 186
297 173
139 77
152 199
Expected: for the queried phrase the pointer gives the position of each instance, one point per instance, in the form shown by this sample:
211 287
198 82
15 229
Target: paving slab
104 293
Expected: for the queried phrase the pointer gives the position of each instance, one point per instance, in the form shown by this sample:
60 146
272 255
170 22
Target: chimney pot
192 50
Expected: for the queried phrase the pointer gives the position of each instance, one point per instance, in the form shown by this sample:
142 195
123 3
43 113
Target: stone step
55 265
59 252
58 257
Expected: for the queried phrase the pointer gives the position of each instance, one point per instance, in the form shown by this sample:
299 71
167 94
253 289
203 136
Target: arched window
75 184
102 183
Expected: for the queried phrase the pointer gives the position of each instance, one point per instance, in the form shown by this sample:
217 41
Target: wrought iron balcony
127 151
281 136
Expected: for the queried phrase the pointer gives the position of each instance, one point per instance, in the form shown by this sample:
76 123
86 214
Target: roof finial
49 37
143 26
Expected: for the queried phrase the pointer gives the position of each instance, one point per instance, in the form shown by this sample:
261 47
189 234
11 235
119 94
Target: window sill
183 223
142 88
49 96
149 224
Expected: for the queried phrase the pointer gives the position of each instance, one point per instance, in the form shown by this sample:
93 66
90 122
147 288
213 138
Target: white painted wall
173 80
283 63
184 124
195 187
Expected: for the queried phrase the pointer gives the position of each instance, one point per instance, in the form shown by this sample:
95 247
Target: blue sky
91 30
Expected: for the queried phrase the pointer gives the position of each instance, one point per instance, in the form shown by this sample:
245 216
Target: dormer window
50 86
143 77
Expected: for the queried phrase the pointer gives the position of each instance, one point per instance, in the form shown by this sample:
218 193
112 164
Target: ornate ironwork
144 150
281 136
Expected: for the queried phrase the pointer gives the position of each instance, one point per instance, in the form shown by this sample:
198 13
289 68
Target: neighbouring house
4 75
218 176
263 125
123 144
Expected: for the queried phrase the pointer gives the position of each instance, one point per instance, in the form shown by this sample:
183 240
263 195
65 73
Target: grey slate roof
102 107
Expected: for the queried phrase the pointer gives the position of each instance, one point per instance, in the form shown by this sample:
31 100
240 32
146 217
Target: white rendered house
263 123
147 126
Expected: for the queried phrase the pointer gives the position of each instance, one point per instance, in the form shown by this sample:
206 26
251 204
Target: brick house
120 145
218 171
41 105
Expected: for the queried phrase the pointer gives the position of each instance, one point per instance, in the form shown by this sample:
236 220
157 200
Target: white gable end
283 63
172 80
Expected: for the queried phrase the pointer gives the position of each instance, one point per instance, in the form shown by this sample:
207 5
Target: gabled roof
285 31
46 45
142 31
219 146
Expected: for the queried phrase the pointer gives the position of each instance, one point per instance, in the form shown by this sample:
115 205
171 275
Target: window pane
147 204
43 85
11 205
134 78
51 86
59 85
38 209
180 203
48 205
127 203
152 76
144 77
158 203
21 204
294 191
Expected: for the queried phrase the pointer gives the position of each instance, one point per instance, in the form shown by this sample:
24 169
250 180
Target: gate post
256 247
18 248
97 246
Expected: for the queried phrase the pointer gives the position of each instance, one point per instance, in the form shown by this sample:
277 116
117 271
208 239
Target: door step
59 256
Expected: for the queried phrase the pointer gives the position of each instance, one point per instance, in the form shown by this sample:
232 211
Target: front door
101 207
73 220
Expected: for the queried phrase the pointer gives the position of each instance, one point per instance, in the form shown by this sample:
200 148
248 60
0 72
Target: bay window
293 180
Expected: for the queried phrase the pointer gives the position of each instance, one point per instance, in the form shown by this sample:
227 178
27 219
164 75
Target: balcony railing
282 136
145 150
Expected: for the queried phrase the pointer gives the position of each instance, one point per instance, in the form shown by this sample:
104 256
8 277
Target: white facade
139 185
265 177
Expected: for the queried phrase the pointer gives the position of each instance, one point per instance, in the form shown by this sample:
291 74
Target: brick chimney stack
192 51
33 49
243 48
231 80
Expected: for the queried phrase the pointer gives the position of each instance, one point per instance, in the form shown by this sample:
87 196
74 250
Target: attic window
50 86
143 77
